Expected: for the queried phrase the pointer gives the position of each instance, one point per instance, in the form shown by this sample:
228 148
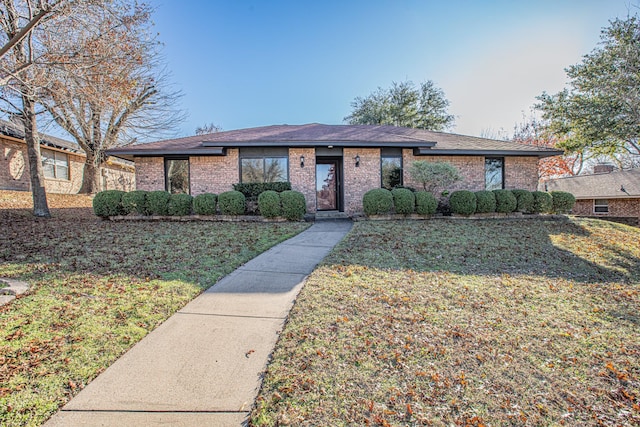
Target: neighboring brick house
606 193
63 163
332 165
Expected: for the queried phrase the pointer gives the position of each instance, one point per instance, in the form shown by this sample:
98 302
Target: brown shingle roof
600 186
17 131
314 134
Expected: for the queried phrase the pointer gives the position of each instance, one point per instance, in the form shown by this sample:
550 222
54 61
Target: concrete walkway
204 365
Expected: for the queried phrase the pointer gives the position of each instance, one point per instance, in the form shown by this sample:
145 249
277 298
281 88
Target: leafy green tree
434 175
600 110
404 104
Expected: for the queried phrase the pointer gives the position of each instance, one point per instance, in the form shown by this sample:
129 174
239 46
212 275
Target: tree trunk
40 206
91 177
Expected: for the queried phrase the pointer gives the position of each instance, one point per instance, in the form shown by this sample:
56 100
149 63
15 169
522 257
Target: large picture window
264 169
493 173
176 173
55 164
390 171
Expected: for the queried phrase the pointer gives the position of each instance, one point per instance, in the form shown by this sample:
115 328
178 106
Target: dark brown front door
327 186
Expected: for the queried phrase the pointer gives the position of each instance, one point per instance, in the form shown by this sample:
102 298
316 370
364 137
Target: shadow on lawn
493 247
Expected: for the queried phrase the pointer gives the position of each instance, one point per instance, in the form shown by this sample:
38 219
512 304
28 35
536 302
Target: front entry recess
327 186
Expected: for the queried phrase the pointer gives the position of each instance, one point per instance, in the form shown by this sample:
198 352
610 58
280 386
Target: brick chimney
603 168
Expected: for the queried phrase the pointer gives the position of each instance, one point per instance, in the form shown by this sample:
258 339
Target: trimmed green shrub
135 202
463 202
294 205
485 201
525 201
232 203
426 203
180 204
269 204
434 175
562 201
254 189
205 204
377 201
158 202
108 203
403 200
542 202
506 202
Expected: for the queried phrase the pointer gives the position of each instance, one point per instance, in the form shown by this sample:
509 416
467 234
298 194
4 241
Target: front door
327 185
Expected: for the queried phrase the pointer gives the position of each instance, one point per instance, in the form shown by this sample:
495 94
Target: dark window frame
394 157
56 169
502 174
264 165
166 172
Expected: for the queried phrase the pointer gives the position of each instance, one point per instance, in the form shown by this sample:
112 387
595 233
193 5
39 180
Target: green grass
98 287
466 323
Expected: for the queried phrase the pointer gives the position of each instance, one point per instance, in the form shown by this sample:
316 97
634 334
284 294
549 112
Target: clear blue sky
253 63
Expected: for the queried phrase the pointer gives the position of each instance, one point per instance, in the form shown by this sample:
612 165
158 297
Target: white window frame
601 206
60 161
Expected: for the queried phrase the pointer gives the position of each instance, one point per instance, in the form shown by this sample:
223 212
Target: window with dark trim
390 171
176 172
55 164
264 169
493 173
601 206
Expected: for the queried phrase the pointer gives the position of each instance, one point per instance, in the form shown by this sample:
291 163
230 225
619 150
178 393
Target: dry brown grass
518 323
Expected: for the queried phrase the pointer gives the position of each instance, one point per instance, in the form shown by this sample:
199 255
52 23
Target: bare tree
107 88
208 128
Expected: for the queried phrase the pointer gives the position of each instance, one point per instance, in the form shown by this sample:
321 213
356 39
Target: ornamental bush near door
232 203
463 202
562 201
542 202
485 201
294 205
108 203
506 202
158 202
524 201
426 203
404 201
205 204
378 201
269 204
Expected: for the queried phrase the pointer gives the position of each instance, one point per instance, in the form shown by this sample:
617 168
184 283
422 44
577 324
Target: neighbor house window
176 173
493 173
264 169
390 171
601 206
55 164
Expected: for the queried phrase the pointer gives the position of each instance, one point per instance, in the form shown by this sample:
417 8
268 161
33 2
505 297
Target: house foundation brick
617 208
303 179
149 173
359 180
521 173
214 174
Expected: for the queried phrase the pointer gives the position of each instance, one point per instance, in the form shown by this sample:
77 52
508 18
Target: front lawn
467 323
98 287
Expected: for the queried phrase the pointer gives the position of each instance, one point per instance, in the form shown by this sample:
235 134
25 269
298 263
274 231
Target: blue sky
253 63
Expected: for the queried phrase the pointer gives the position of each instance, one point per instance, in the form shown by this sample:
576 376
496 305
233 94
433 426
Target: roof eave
528 153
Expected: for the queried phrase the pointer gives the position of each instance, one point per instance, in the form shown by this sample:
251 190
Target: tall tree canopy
599 112
403 104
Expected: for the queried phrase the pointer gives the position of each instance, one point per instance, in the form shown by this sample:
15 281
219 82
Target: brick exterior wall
214 174
359 180
14 171
304 179
617 208
149 173
521 173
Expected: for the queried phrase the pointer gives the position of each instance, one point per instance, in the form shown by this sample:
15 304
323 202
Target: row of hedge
403 201
288 204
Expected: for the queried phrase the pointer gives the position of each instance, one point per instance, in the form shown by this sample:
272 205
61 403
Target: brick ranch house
332 165
63 163
606 193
